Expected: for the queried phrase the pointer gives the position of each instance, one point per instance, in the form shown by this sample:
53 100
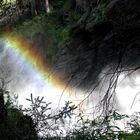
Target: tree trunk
3 115
47 6
33 11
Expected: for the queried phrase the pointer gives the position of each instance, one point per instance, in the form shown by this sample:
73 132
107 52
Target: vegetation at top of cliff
30 27
99 13
54 26
13 123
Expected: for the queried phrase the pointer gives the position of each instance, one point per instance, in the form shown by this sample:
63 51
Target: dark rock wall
96 44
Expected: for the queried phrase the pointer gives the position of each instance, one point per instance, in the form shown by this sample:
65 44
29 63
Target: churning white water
128 93
21 79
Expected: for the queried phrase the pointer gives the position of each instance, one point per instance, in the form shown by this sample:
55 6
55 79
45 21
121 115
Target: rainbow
30 55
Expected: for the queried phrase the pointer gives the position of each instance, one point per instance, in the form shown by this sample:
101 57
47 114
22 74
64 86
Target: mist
21 79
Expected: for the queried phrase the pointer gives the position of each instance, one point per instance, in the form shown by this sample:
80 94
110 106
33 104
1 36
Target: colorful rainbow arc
32 57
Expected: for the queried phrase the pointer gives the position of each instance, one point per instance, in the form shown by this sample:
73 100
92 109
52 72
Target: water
20 78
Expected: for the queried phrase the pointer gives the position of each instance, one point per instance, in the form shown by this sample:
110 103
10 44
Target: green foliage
15 125
45 120
99 13
7 1
75 16
51 26
104 128
57 32
30 27
1 1
69 8
51 124
54 32
58 23
47 123
57 27
57 4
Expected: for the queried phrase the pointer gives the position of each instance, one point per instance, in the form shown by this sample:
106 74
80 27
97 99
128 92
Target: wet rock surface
96 45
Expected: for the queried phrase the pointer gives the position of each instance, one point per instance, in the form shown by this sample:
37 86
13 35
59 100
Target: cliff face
107 35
